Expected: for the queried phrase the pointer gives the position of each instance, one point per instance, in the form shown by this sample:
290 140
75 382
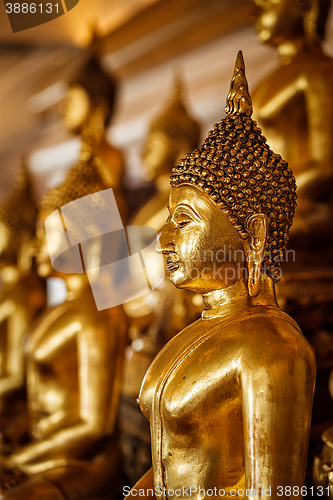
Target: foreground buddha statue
294 107
229 398
158 316
74 364
22 297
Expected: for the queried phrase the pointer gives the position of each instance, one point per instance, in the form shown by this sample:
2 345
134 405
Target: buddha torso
54 374
195 395
293 105
53 382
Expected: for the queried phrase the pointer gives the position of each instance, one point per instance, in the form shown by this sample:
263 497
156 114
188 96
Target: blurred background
144 43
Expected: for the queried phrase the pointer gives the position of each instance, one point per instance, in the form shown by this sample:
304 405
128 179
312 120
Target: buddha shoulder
275 338
264 338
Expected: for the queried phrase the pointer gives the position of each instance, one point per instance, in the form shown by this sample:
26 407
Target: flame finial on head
241 174
238 99
178 87
174 121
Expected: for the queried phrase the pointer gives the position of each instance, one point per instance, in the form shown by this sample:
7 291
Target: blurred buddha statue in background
172 134
323 460
22 297
158 316
87 112
294 107
74 366
229 398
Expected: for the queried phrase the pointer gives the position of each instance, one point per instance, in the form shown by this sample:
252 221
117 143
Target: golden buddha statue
22 296
87 111
74 366
229 398
294 107
158 316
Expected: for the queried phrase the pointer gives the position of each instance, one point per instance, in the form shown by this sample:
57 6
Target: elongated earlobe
255 250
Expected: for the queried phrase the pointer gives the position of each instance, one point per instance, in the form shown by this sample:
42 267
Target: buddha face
278 20
76 108
158 157
203 250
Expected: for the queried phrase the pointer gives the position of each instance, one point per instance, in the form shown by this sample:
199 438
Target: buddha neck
235 299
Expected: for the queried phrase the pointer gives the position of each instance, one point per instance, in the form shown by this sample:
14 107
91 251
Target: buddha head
231 204
172 134
83 179
17 221
279 20
92 91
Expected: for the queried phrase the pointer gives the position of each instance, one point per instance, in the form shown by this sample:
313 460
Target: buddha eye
183 220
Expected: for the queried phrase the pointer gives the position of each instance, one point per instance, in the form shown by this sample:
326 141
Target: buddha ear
255 250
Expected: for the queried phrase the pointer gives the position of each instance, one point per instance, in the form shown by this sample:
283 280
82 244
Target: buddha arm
277 391
14 329
316 180
72 441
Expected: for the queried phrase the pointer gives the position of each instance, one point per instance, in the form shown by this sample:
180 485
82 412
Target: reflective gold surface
229 398
74 365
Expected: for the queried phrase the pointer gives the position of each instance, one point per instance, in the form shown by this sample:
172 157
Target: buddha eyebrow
187 209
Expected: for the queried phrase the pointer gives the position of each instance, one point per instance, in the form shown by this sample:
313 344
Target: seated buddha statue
158 316
229 398
74 365
22 298
294 106
87 111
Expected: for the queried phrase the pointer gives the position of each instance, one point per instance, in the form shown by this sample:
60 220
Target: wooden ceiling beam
170 28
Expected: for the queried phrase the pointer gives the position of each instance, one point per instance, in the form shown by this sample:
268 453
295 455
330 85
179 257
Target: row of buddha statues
205 382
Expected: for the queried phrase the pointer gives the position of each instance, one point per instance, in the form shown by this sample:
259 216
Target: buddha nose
165 243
